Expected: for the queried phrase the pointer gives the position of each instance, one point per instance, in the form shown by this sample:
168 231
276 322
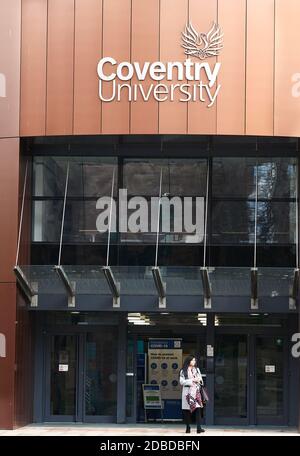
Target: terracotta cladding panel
7 363
67 45
231 99
287 68
10 29
172 114
33 68
24 381
144 47
116 44
201 119
9 187
60 51
260 67
88 50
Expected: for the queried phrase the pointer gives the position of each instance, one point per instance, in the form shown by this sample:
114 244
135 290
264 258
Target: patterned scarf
194 397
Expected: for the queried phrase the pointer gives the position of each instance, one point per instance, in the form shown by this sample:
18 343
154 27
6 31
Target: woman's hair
186 364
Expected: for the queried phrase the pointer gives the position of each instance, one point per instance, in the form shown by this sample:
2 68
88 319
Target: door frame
252 333
48 417
80 415
180 333
282 420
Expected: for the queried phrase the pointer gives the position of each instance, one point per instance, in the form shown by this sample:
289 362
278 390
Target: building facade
109 104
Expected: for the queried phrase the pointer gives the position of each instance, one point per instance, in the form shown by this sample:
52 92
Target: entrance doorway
250 379
81 376
138 372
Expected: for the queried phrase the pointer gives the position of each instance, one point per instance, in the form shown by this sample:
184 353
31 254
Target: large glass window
89 179
182 181
234 195
231 210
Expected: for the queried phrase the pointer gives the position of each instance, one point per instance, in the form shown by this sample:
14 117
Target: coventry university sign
195 81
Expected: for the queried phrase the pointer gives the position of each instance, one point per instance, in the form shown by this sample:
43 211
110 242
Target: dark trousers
187 416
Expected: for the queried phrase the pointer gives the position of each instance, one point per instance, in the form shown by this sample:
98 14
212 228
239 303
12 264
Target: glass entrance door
231 379
81 376
100 392
250 379
270 380
62 378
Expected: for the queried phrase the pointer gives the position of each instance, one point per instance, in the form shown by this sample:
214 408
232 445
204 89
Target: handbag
204 395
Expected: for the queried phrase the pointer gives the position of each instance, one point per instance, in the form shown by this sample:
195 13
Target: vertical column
210 361
173 16
33 68
287 68
231 99
60 70
144 47
116 44
201 119
260 67
122 348
88 50
9 176
10 21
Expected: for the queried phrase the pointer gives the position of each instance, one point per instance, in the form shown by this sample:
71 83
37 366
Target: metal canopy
30 293
69 286
206 287
160 287
271 285
114 286
254 288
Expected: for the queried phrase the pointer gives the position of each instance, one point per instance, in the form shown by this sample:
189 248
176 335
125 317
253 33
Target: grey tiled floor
142 429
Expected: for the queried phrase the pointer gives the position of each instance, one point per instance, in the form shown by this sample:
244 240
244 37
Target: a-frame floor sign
152 399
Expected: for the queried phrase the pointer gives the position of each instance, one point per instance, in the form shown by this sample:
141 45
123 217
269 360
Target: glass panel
236 177
142 177
130 380
230 281
63 375
101 372
275 282
88 176
233 222
180 177
49 175
231 376
188 177
249 320
47 220
269 376
80 223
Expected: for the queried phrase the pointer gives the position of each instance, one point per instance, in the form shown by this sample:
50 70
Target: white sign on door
2 346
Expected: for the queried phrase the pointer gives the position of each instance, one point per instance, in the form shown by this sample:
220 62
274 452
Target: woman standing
191 379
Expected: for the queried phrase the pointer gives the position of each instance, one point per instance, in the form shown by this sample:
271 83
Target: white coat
186 383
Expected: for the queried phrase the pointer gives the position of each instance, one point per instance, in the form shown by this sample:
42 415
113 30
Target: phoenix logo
202 45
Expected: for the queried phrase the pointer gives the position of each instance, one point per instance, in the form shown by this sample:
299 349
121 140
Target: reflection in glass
269 376
236 177
88 176
63 375
231 376
101 372
233 222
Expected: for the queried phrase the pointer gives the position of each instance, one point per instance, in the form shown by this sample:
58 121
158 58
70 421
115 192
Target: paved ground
143 430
